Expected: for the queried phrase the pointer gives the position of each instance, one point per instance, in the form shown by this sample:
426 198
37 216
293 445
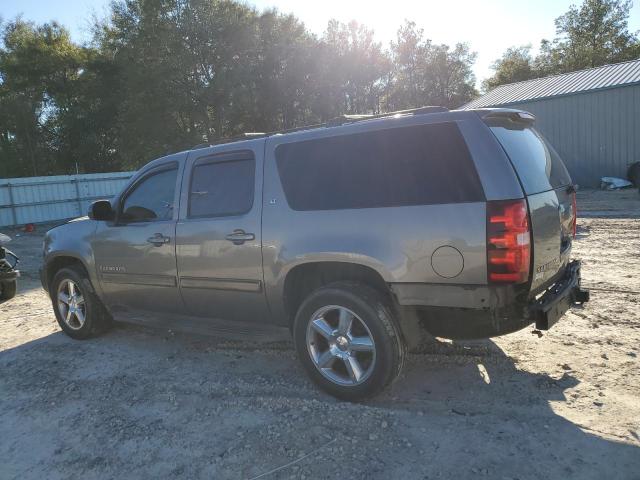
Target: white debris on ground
145 403
614 183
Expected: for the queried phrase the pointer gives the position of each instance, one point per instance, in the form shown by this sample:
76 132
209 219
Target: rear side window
418 165
220 189
537 164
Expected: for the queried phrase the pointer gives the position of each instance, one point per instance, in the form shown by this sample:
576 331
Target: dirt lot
141 403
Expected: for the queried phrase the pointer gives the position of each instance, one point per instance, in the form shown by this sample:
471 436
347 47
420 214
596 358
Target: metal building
591 117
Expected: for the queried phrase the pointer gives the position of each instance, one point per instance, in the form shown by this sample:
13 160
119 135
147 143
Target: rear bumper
554 303
492 311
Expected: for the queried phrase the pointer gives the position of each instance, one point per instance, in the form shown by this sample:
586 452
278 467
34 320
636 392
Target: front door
135 255
219 234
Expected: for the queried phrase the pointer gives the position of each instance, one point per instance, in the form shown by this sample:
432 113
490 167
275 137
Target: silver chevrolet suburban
357 235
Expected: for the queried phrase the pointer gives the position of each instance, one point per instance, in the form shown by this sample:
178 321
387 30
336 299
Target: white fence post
75 182
11 203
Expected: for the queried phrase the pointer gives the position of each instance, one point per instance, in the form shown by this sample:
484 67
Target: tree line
160 76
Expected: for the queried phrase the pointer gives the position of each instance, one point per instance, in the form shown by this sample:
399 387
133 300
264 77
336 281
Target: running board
225 329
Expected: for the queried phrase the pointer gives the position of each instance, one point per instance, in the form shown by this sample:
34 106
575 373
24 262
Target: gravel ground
143 403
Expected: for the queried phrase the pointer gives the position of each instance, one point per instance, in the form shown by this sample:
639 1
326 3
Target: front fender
70 241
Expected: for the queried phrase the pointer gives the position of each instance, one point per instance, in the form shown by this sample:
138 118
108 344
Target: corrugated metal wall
596 133
43 199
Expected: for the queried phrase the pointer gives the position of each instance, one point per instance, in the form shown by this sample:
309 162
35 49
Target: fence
43 199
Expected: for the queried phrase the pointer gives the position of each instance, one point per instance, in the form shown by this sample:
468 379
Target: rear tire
8 290
633 174
348 341
78 310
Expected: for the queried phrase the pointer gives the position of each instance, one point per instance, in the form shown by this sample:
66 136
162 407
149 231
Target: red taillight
508 241
574 211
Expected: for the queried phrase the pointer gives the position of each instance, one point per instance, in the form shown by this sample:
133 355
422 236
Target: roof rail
244 136
249 135
344 119
334 122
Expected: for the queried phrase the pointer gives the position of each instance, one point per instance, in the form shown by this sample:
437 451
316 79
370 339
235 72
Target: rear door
549 192
219 250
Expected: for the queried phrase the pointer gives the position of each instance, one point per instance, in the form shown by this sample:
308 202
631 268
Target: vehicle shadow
505 419
142 402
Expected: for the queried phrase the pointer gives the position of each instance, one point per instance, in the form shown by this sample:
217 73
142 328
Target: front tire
78 310
348 341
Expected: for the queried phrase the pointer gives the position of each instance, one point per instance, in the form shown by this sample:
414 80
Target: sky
489 26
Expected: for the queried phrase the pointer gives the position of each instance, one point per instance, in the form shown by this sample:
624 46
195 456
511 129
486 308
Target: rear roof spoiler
515 116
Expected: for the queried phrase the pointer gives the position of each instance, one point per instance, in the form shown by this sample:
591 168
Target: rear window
418 165
537 164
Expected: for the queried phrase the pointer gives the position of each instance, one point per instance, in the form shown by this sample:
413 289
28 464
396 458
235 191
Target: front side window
151 199
222 188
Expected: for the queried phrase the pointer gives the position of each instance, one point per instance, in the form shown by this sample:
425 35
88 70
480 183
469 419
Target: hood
73 220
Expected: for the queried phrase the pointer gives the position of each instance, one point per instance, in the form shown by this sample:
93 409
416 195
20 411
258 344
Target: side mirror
101 210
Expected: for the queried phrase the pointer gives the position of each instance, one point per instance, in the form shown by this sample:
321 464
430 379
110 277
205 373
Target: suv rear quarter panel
397 242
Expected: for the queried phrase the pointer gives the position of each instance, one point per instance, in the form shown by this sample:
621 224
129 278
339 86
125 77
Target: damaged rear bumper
473 312
549 307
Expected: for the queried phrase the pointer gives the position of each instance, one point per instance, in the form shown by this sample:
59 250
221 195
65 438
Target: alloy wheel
71 304
341 345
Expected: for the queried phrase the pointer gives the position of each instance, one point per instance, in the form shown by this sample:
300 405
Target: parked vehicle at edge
8 272
355 235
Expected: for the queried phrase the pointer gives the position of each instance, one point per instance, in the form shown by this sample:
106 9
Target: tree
89 126
283 71
594 34
38 69
515 65
159 109
410 52
196 71
349 77
453 81
428 74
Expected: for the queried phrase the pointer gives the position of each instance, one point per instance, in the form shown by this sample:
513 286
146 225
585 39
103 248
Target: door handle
158 239
238 237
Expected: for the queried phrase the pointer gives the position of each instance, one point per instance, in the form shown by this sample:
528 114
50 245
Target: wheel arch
60 261
304 278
